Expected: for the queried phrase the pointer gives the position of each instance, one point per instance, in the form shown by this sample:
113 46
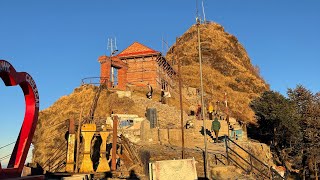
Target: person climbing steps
215 127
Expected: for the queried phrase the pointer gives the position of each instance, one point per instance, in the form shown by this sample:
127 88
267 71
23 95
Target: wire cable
7 145
5 157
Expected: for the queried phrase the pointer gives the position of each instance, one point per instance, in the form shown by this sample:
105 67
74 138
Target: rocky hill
49 139
226 68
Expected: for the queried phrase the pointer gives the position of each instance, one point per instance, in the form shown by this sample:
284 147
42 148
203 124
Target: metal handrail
238 164
95 101
94 80
217 159
272 172
248 152
47 163
251 166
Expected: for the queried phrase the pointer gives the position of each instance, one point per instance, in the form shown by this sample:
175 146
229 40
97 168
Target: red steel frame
18 157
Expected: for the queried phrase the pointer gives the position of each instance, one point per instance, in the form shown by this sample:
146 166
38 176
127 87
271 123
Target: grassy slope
226 68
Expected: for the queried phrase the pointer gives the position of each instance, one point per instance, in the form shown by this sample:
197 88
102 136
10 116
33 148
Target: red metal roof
136 49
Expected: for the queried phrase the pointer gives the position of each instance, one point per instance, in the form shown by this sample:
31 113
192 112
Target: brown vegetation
227 68
53 124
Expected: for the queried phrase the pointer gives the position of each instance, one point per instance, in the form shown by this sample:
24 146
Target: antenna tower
204 14
197 11
112 45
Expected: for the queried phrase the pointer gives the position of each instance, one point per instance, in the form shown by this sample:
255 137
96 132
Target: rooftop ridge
136 48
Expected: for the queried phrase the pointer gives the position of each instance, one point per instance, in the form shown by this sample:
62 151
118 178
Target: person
210 111
189 124
150 92
199 114
162 99
215 127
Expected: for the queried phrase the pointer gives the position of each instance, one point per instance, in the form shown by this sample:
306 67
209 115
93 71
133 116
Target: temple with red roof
136 65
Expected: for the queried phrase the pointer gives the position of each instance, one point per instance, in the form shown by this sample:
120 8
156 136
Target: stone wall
162 136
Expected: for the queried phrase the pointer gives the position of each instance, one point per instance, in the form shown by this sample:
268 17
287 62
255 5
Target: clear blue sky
58 41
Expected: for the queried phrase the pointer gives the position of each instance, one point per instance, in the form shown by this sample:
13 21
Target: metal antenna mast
197 11
112 46
115 44
198 21
204 14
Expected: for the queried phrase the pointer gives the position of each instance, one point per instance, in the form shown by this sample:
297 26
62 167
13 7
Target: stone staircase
223 130
194 137
167 115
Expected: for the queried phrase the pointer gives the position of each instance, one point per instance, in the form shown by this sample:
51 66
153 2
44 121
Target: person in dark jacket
198 113
162 98
215 127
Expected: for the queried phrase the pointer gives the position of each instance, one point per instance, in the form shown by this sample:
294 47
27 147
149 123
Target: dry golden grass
53 124
226 68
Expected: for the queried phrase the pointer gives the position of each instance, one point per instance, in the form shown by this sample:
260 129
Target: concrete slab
163 135
77 177
145 131
125 115
175 137
122 94
184 169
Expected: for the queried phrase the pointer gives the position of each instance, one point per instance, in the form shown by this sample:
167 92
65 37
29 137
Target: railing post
250 163
226 144
271 174
114 144
50 165
215 158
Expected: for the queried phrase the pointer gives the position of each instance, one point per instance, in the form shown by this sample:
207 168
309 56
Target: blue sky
58 42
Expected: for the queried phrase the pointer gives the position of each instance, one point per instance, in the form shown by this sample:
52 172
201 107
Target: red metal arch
12 78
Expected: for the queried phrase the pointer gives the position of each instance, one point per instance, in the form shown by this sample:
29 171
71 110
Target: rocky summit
226 68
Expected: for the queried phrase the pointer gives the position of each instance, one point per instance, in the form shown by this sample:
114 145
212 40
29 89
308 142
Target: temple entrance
114 76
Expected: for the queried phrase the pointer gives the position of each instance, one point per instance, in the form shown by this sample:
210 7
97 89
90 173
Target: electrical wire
5 157
7 145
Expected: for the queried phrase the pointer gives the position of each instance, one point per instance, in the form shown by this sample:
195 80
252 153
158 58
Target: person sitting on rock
150 92
189 124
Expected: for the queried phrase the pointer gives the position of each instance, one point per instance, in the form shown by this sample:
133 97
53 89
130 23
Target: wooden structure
137 65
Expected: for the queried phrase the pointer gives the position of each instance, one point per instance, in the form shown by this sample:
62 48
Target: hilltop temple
137 65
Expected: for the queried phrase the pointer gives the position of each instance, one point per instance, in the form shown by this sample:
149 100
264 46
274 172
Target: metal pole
227 112
315 167
114 143
202 103
270 171
78 142
181 105
226 144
